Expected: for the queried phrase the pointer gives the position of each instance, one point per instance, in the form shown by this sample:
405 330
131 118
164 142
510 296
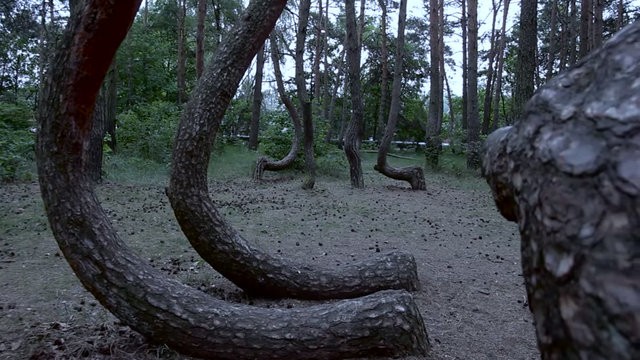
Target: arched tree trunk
215 240
164 310
569 173
352 136
264 163
412 174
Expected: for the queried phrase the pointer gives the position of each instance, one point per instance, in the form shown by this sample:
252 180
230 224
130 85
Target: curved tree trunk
264 163
352 136
569 173
209 233
384 324
412 174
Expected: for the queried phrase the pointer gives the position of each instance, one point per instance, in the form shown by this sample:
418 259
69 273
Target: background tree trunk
473 134
202 14
526 61
433 142
571 179
412 174
553 29
256 109
585 28
182 55
352 138
497 95
489 87
303 96
164 310
263 162
465 66
384 78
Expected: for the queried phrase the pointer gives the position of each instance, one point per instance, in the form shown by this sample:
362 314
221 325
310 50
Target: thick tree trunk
569 173
256 108
526 61
585 27
384 77
598 23
384 324
264 163
433 142
412 174
352 137
473 134
303 96
209 233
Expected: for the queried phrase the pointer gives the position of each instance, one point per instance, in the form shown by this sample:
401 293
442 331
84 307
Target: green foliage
16 142
148 130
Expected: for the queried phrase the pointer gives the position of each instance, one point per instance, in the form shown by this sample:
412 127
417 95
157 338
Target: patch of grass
131 170
232 162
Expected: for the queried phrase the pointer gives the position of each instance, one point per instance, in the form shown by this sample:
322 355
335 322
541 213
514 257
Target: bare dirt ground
472 296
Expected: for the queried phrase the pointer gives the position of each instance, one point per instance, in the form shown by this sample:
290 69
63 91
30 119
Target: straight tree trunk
303 96
473 134
256 109
465 66
332 103
202 14
182 56
352 137
218 243
452 117
572 183
497 95
526 60
264 163
433 142
552 38
384 77
162 309
585 27
598 23
317 56
493 51
620 18
573 52
414 175
564 43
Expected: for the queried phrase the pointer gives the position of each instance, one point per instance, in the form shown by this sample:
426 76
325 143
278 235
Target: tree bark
473 133
585 28
501 47
264 163
384 324
384 77
489 88
553 29
526 61
569 173
181 72
212 236
465 66
303 96
352 137
598 23
433 142
254 128
414 175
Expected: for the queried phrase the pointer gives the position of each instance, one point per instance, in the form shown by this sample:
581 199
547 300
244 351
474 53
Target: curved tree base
414 175
265 164
569 174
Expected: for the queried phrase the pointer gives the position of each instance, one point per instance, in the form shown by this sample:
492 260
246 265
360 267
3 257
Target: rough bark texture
585 27
569 173
497 95
181 71
202 14
208 232
383 324
352 137
526 60
264 163
412 174
433 143
491 78
473 134
256 107
384 77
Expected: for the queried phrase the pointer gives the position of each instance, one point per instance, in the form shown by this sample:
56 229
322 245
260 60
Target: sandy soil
472 296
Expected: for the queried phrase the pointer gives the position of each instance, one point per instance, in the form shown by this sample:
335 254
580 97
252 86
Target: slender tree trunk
352 137
573 36
598 23
254 128
303 96
573 186
473 134
526 61
182 56
317 56
620 18
433 142
488 94
497 95
263 162
585 27
332 104
552 38
202 14
414 175
465 67
452 117
384 77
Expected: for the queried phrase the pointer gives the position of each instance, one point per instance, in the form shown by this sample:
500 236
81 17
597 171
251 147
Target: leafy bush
16 142
147 131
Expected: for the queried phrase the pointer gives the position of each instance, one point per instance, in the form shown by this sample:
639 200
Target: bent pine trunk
569 174
162 309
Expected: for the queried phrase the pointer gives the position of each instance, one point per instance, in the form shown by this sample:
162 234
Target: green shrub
16 142
147 131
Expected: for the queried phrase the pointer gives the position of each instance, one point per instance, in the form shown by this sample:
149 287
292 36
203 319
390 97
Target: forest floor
472 296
